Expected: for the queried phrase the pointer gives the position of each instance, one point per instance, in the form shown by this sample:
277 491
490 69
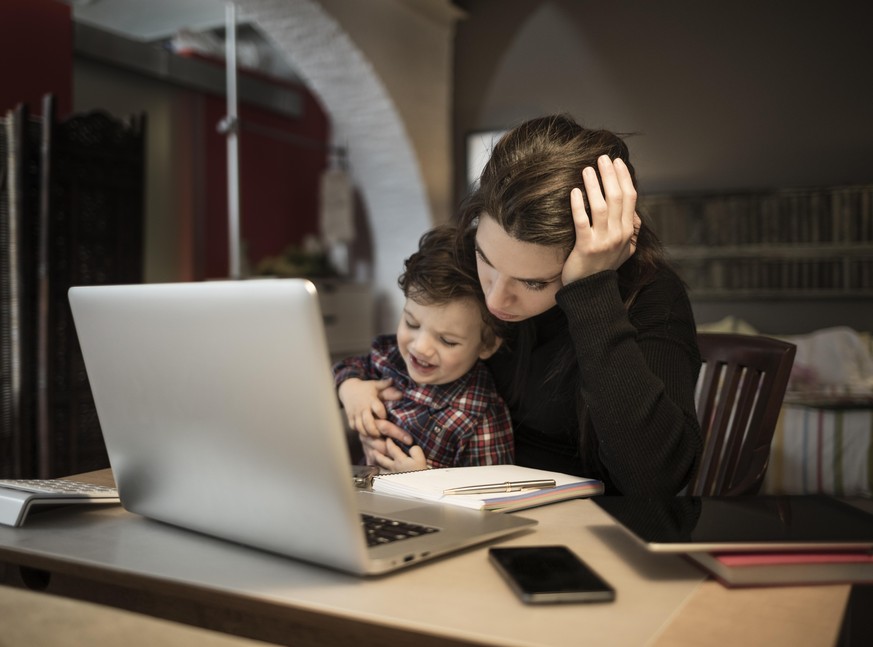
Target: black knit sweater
632 380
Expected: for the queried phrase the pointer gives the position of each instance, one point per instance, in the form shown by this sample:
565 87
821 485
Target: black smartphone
549 574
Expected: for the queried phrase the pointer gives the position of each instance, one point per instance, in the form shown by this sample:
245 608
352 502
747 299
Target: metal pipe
232 132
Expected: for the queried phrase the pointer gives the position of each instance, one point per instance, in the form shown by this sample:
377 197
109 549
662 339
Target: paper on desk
430 485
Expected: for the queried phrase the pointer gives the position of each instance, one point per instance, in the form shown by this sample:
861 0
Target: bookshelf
70 214
794 243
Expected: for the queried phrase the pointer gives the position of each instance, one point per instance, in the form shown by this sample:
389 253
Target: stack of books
736 569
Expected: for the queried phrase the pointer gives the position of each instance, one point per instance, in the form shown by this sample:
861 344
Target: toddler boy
449 403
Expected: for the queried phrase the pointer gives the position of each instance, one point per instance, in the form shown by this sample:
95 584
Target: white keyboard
19 496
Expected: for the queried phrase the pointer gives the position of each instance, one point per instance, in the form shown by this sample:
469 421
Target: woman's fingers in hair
596 200
604 194
619 193
612 201
637 223
609 238
580 217
629 218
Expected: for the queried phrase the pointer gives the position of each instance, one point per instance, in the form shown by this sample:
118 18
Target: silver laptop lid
219 412
199 390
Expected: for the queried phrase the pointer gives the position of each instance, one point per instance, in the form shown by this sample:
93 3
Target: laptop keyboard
59 488
384 531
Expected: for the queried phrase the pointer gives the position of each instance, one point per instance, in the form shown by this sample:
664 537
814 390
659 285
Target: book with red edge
737 569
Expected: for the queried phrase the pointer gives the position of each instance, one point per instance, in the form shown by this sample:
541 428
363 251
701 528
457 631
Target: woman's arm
638 374
638 369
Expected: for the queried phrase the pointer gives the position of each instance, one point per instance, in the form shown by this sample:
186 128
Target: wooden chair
739 396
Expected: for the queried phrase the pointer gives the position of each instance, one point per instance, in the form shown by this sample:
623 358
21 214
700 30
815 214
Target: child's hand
374 446
362 403
396 460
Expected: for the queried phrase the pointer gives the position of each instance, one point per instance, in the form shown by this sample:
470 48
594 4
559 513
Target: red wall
279 181
36 54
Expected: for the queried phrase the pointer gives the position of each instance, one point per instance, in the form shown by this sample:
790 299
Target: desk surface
37 619
661 599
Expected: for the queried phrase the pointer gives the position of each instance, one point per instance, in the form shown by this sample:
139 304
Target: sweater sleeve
638 374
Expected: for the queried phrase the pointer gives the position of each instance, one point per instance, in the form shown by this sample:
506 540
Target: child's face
440 343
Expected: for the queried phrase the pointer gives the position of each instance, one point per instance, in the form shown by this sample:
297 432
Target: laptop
742 523
219 413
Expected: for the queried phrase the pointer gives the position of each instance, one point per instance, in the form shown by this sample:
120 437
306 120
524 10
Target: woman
600 360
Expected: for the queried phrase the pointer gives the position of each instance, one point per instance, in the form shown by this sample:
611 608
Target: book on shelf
735 569
431 485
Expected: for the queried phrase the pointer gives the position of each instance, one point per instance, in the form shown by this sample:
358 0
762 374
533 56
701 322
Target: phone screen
550 574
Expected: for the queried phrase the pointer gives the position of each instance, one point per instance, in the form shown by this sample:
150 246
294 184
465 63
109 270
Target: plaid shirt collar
433 396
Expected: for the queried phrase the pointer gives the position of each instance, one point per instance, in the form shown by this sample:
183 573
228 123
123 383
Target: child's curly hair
442 270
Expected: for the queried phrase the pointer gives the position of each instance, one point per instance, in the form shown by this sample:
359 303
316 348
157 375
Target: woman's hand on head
609 239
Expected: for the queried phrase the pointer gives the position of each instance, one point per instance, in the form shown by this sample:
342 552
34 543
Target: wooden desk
41 619
115 558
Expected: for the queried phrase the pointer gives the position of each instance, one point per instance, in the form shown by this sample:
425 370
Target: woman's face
519 279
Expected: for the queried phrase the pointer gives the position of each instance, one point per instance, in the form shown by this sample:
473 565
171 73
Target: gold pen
506 486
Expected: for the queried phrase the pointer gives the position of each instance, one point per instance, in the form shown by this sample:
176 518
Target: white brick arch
364 119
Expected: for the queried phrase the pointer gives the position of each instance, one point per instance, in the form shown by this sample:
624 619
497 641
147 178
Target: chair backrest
739 395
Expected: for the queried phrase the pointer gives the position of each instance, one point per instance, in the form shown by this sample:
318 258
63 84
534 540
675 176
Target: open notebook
220 415
431 485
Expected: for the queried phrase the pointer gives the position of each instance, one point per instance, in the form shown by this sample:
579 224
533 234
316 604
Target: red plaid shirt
461 423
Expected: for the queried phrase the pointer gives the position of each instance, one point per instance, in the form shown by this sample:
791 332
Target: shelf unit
793 243
71 214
